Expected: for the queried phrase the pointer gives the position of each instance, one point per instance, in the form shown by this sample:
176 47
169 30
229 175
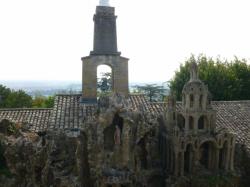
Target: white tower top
104 3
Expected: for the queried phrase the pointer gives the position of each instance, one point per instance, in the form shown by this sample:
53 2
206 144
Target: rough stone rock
55 159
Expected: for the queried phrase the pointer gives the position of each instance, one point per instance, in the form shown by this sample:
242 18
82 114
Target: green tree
104 84
49 102
4 93
18 99
43 102
226 80
154 92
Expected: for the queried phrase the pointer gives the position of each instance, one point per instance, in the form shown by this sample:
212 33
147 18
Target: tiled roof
36 119
234 116
139 101
68 112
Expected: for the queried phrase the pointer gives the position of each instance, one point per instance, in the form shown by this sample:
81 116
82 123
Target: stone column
168 157
182 163
176 165
227 158
171 164
196 124
191 161
232 159
186 123
217 158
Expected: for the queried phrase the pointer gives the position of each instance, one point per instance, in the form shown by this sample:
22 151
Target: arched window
207 155
191 123
191 100
202 122
104 79
200 102
181 122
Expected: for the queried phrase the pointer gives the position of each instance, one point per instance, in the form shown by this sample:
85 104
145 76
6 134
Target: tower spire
193 71
105 39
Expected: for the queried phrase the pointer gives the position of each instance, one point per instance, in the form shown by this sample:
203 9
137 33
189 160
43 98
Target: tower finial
193 71
104 2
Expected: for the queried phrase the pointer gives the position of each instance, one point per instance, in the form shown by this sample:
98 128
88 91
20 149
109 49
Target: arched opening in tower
104 80
188 159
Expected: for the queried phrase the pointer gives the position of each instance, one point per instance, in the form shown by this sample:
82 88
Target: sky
45 39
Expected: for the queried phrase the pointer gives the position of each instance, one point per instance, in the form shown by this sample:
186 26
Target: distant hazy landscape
45 88
49 88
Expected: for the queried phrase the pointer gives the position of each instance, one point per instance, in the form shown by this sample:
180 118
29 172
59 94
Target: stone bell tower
104 53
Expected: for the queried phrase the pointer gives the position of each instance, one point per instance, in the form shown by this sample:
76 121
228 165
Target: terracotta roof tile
37 119
69 113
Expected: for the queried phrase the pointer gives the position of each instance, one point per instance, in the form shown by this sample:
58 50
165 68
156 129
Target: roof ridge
68 95
12 109
234 101
136 94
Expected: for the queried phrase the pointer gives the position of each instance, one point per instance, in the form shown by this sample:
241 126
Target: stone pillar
232 159
168 156
176 164
196 124
186 123
196 101
171 163
217 158
125 145
182 163
227 161
191 161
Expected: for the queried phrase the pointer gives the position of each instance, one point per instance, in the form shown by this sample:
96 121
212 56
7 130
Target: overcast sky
45 39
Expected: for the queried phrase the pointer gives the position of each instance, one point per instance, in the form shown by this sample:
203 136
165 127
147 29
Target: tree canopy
14 99
104 84
20 99
226 80
154 92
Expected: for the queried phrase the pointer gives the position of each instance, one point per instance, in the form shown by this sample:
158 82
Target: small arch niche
180 121
191 100
191 123
202 122
104 79
113 133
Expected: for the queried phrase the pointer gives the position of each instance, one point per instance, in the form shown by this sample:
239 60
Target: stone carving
117 135
193 71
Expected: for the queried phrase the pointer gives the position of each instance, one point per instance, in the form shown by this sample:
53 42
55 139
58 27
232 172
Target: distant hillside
49 88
